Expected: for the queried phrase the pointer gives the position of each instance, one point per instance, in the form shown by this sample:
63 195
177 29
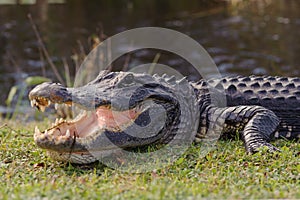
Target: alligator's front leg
255 124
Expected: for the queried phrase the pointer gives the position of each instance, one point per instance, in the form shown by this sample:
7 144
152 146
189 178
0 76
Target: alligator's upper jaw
46 93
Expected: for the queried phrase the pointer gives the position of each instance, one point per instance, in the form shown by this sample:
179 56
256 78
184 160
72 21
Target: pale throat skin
259 108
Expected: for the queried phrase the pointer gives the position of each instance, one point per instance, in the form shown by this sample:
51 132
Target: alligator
259 109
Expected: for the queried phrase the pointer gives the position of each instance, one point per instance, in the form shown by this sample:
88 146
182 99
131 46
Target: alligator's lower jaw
63 134
73 157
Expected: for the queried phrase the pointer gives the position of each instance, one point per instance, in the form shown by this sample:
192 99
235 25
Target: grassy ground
227 172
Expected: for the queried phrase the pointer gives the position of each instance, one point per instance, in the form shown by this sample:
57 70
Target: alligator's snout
46 93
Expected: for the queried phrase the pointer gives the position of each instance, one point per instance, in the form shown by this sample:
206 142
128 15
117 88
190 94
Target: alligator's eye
128 78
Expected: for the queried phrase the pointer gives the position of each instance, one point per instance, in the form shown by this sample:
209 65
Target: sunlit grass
226 172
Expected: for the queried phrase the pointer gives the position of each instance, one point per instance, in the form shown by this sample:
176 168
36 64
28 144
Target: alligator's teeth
56 106
37 130
49 102
46 133
68 133
56 121
60 139
42 108
61 120
33 102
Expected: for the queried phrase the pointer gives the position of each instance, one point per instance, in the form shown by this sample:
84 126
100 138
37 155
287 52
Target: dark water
252 37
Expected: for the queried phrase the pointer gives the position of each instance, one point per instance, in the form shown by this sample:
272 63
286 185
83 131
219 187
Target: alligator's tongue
114 119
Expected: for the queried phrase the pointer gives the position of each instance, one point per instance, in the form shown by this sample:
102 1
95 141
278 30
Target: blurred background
50 38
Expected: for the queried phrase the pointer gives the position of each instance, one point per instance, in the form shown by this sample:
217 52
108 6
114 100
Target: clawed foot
261 147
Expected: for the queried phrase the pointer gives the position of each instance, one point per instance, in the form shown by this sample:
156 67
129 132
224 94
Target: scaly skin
259 109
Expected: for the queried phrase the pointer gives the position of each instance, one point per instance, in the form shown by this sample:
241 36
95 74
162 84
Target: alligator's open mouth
86 123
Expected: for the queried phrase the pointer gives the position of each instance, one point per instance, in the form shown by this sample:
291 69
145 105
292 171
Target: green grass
225 173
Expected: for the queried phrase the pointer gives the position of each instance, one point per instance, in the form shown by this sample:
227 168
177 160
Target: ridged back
270 92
